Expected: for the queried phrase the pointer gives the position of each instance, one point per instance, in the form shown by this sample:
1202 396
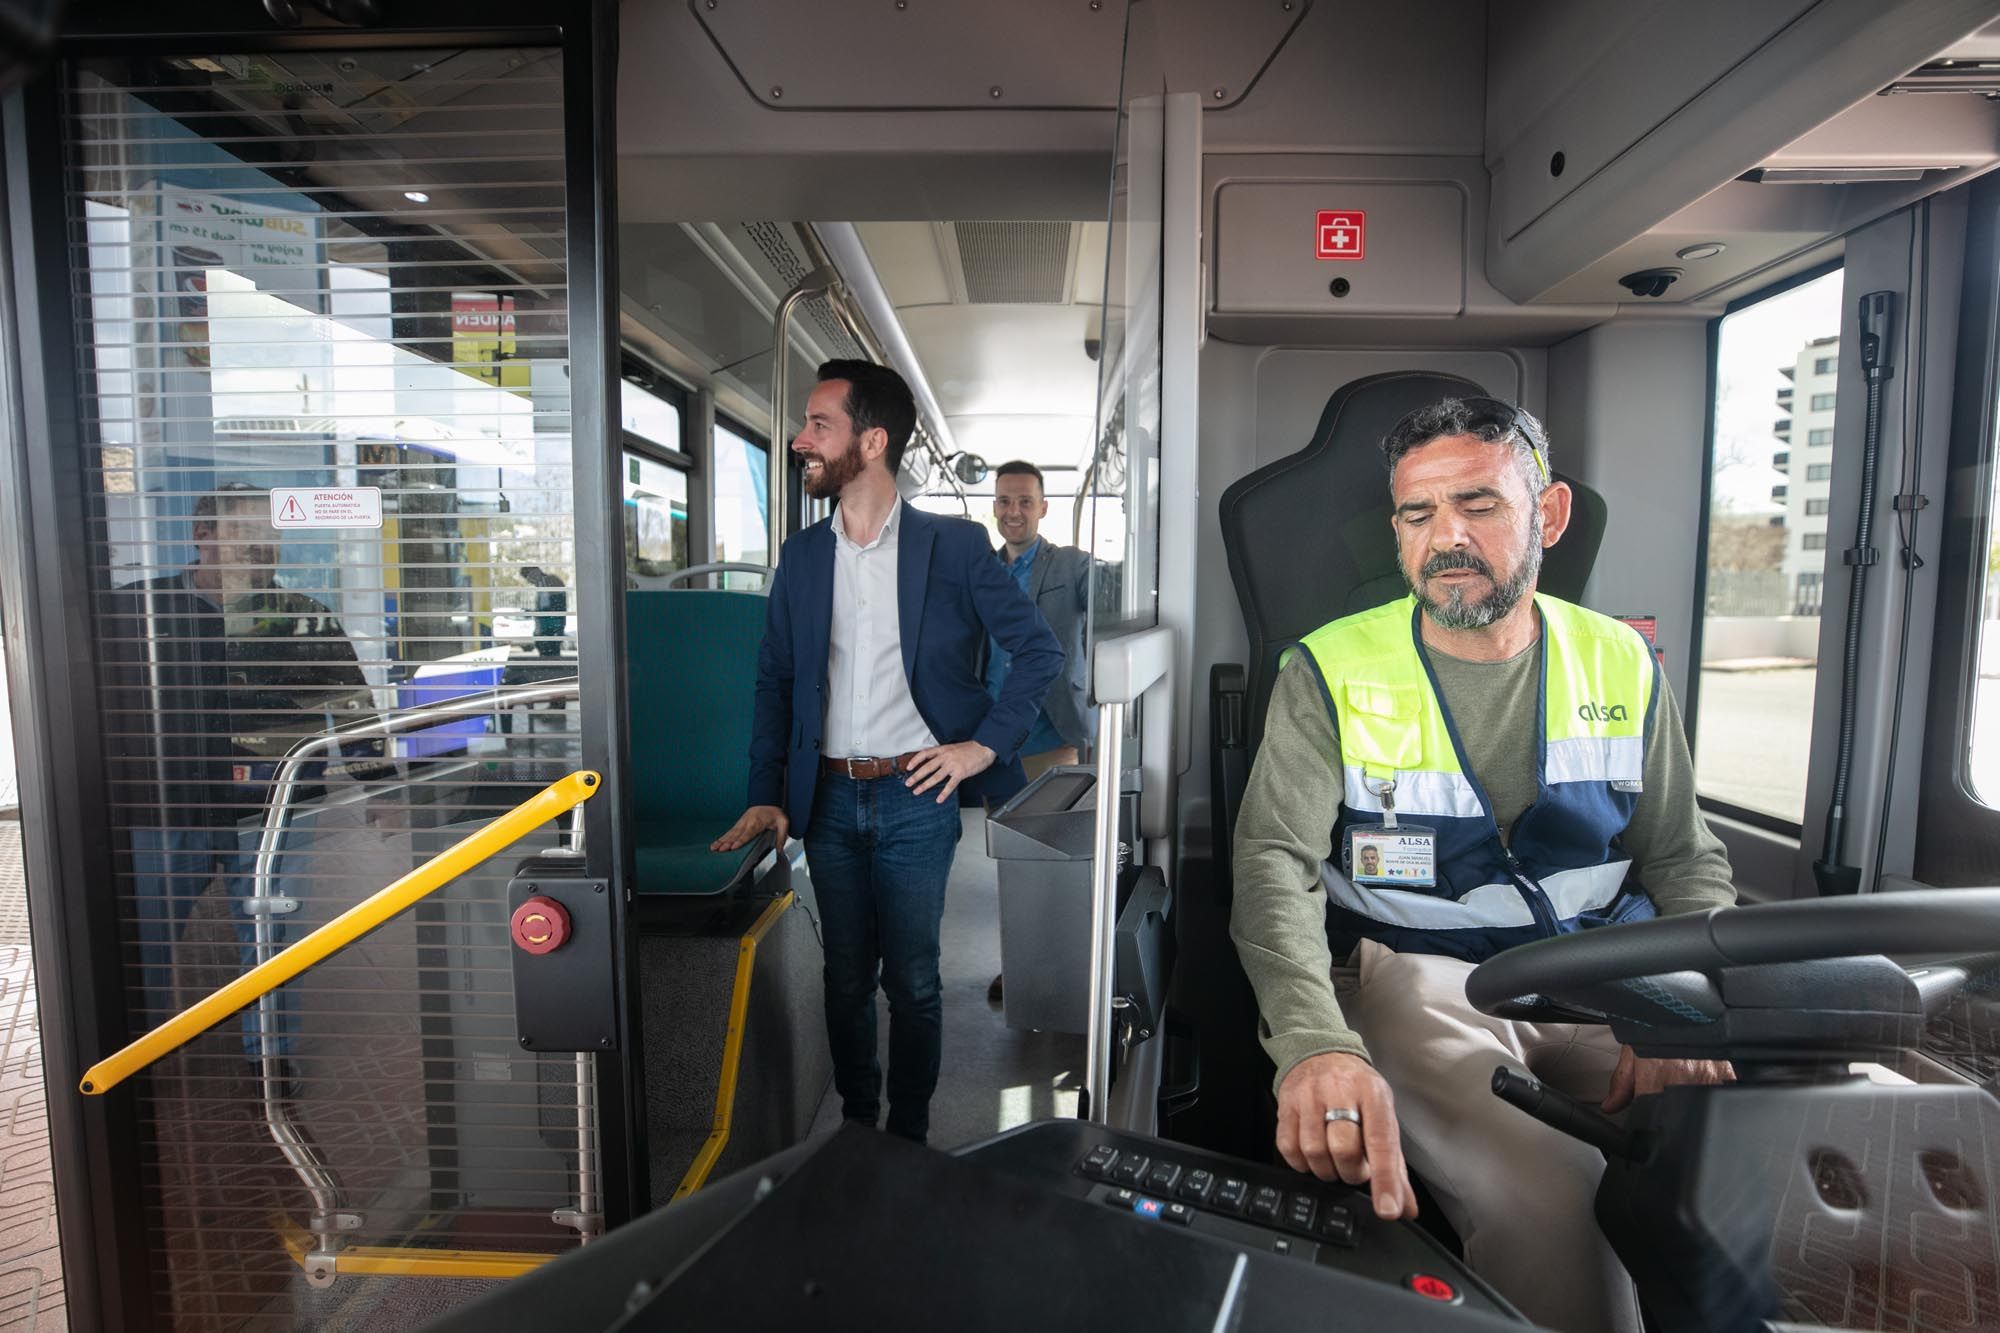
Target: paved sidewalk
10 796
31 1285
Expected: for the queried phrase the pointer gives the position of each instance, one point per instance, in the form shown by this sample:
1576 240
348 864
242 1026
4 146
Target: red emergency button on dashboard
1432 1288
540 925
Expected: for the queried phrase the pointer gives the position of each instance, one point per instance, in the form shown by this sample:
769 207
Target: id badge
1391 853
1403 856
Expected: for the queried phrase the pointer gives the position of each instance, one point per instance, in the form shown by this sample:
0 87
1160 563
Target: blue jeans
879 857
172 868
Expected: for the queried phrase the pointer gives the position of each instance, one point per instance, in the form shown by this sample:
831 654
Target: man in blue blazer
872 723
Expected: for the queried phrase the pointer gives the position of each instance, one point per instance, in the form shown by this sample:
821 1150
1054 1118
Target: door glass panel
323 328
1118 497
1770 479
1981 746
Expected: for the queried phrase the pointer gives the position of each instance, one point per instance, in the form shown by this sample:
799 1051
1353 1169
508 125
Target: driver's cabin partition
306 525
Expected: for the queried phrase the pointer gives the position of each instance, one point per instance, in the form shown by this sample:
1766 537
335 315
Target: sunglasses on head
1506 419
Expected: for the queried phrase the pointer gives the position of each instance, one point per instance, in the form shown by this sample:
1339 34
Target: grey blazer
1059 585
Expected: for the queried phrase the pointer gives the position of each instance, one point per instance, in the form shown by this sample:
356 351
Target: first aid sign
1341 235
326 507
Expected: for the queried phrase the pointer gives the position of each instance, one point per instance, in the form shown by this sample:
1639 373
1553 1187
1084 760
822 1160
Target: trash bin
1041 840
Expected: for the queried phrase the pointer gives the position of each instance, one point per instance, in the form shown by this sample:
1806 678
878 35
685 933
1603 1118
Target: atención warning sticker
326 506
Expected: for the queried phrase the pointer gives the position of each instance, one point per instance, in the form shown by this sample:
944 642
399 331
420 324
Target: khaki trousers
1037 764
1519 1194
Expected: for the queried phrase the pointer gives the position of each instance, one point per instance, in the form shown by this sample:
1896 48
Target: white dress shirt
869 711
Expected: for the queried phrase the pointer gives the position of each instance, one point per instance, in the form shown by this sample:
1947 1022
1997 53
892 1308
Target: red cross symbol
1341 235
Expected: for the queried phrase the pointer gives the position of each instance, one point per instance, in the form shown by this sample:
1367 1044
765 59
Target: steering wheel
1725 1210
1673 982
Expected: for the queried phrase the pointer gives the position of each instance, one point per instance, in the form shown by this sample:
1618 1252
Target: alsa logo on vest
1596 712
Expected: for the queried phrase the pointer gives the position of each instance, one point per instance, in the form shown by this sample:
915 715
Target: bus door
314 344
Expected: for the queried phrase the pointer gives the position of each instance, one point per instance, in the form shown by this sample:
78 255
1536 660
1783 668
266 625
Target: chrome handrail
327 1220
284 783
722 567
777 496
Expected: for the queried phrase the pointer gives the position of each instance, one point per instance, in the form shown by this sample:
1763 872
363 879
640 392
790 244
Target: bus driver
1424 715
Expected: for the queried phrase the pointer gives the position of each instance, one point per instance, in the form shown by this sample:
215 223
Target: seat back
1308 537
691 680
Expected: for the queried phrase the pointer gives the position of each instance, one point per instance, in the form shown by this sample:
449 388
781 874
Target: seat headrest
1308 536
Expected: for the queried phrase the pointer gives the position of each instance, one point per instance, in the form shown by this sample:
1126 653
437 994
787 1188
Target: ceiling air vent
1950 76
1830 175
1015 263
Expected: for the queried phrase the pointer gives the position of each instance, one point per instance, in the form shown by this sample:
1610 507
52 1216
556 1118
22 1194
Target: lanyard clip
1387 792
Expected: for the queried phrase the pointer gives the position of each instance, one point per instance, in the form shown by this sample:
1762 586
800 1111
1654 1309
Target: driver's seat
1308 540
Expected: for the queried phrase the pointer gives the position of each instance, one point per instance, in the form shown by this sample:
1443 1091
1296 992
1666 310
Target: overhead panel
1406 241
1038 54
1675 104
1611 103
1938 131
908 258
1027 53
1221 49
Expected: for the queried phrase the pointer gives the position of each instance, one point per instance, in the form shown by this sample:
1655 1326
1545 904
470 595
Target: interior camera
1651 282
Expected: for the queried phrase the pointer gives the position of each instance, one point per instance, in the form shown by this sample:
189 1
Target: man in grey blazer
1057 579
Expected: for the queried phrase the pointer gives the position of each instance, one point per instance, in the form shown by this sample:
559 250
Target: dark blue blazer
950 595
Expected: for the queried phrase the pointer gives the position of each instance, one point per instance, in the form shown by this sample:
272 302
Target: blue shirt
1044 737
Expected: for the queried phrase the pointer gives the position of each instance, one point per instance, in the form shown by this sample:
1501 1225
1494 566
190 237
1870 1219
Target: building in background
1806 428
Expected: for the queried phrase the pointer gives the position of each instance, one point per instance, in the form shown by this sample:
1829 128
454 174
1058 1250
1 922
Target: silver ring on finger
1336 1114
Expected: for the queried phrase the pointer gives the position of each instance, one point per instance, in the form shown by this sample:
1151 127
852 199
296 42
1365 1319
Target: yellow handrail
557 798
732 1048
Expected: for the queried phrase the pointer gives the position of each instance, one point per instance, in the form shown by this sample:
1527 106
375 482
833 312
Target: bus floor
992 1077
31 1283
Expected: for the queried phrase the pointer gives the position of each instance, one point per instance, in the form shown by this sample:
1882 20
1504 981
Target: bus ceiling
1561 149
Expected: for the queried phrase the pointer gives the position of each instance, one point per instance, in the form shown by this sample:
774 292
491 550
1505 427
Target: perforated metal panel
784 266
322 313
1015 263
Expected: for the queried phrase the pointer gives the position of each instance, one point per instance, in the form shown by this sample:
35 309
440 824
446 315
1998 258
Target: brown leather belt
864 770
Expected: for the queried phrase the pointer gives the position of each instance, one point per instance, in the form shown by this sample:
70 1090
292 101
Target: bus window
1770 474
647 415
742 511
651 415
656 516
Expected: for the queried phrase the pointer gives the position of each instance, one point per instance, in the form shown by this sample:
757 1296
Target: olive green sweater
1285 832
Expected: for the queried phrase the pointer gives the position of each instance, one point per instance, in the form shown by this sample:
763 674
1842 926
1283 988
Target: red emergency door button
540 925
1432 1288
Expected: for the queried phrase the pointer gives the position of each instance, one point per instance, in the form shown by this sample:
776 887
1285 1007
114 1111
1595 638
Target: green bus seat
691 679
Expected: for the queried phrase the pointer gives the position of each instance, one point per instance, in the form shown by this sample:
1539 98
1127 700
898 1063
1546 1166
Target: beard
834 473
1456 611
